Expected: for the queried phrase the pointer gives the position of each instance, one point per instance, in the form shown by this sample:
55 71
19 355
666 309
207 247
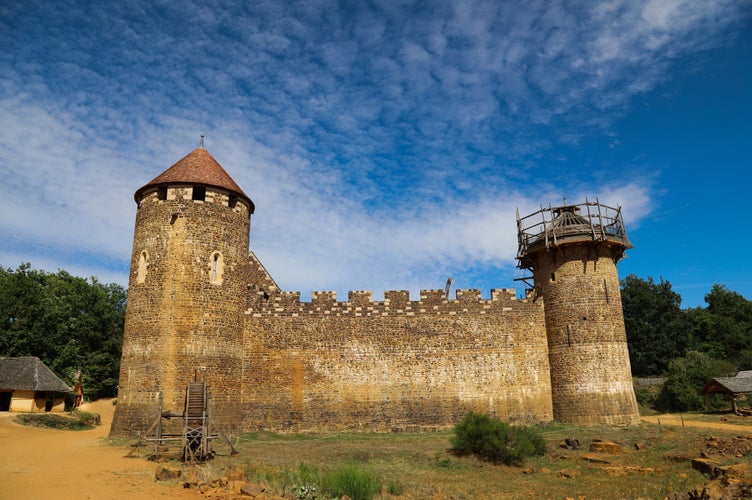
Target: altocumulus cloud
385 145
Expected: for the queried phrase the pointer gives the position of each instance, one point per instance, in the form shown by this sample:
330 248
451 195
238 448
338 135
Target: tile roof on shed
29 374
197 167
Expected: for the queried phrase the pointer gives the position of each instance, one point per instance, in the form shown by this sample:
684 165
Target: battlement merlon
395 301
394 297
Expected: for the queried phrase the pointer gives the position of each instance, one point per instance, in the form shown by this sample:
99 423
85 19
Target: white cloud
381 144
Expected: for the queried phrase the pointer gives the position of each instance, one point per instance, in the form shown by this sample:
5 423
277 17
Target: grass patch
420 465
311 482
395 487
265 436
352 480
76 421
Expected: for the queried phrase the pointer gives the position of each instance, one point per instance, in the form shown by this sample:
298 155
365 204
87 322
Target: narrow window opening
162 193
216 268
553 277
143 264
215 265
173 219
232 201
199 193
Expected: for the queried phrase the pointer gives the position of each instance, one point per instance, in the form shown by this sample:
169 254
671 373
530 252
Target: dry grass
423 467
74 421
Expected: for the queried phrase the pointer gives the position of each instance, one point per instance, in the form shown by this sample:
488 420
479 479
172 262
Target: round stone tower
186 294
572 251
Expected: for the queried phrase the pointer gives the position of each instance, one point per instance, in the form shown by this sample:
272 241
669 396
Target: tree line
74 324
686 346
70 323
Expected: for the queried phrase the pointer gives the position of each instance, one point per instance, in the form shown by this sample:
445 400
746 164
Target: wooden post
660 431
158 442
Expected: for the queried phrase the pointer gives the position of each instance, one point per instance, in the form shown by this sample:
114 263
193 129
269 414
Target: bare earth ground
58 464
679 421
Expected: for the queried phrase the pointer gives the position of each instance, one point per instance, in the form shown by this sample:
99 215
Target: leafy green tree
724 328
21 307
684 379
70 323
658 330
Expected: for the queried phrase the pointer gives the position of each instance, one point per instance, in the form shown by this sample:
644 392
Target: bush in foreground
353 481
350 479
496 441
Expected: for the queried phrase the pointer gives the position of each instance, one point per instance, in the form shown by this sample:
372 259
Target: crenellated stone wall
200 307
394 364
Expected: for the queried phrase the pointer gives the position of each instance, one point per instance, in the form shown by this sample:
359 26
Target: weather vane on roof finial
201 142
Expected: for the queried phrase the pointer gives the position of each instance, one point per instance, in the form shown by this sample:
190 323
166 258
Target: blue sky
386 145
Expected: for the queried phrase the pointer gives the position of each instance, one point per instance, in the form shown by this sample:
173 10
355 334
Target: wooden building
27 385
732 388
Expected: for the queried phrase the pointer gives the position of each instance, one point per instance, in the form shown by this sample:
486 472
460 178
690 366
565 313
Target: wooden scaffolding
195 440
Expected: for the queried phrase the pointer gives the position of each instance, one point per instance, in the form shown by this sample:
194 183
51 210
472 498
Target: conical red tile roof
197 167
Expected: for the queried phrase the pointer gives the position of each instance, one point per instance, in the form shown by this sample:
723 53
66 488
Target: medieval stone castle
201 307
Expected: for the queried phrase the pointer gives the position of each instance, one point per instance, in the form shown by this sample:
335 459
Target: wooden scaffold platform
198 433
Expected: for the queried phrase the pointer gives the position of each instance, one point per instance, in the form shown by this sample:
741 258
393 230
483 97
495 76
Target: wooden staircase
198 433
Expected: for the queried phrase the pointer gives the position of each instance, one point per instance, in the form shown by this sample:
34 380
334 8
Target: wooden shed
733 388
27 385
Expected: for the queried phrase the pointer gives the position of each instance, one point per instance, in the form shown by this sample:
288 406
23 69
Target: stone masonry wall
590 370
392 365
201 307
184 318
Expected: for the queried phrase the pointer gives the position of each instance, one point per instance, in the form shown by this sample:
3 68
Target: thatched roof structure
29 374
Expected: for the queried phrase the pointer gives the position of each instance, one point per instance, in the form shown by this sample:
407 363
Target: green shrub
684 379
647 395
351 480
496 441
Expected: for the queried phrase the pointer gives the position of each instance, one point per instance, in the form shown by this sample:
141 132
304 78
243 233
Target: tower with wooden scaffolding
571 251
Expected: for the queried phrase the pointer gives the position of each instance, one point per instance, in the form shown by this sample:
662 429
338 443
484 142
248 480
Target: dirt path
676 420
57 464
